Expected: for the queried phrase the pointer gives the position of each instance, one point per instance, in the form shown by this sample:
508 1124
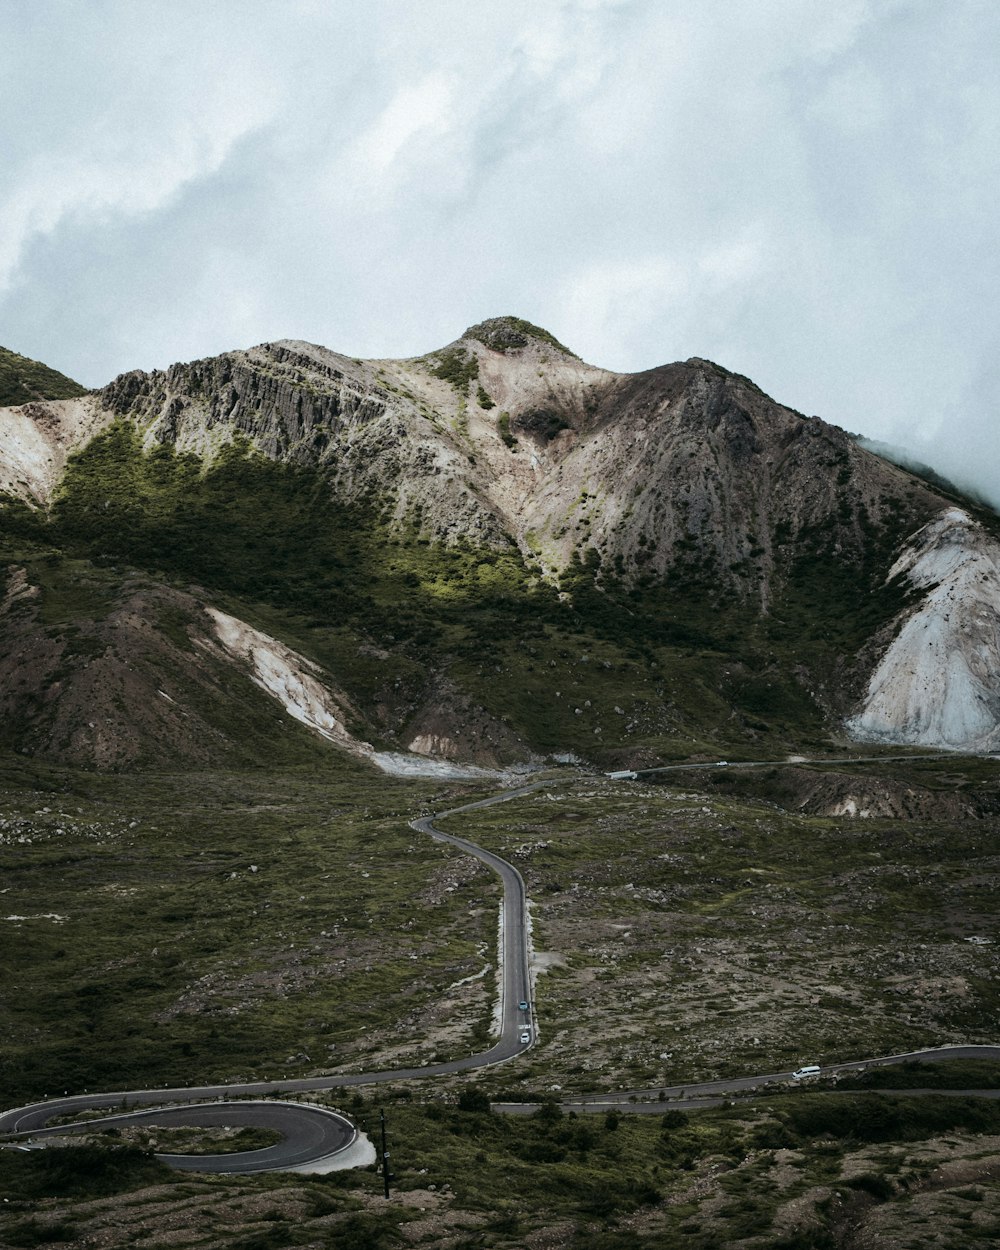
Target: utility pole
385 1156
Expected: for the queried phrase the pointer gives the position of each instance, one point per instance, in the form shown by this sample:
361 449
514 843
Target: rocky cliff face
505 435
296 402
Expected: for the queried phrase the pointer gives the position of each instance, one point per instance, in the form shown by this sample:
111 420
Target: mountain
22 380
489 554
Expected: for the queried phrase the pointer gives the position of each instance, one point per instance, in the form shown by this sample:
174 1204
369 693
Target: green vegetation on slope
669 662
953 1074
457 366
22 380
78 1171
243 524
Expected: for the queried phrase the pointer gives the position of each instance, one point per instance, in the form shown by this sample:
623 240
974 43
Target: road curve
512 962
514 987
695 1093
311 1133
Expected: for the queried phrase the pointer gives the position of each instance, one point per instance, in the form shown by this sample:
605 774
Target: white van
802 1074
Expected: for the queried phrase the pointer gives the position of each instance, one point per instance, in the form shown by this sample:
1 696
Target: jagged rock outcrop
303 404
505 436
293 401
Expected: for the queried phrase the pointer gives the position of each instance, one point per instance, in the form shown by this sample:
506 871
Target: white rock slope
294 681
938 685
288 677
36 439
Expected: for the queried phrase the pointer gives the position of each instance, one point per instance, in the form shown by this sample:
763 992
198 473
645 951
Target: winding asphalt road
314 1136
309 1133
181 1104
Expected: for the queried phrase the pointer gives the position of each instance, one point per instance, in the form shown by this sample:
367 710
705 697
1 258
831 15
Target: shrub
37 1233
473 1100
872 1183
503 425
457 366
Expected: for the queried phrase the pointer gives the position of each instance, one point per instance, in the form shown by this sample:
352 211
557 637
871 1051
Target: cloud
140 118
423 110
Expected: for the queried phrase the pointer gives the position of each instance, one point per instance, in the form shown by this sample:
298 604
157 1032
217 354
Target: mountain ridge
292 399
23 380
735 554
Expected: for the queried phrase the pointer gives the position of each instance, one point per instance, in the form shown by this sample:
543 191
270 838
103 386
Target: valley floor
244 925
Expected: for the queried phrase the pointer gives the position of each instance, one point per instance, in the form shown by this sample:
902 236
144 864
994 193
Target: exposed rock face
304 404
289 678
305 692
684 464
939 682
37 438
290 400
689 464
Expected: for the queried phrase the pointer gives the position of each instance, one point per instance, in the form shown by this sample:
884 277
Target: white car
803 1074
525 1037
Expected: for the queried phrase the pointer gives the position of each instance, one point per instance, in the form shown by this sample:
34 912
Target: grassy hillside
22 380
613 672
253 924
261 923
261 908
241 924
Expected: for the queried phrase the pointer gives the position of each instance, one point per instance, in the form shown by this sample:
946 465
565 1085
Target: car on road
525 1037
522 1005
803 1074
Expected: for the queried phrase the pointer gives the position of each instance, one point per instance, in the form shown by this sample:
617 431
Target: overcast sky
805 192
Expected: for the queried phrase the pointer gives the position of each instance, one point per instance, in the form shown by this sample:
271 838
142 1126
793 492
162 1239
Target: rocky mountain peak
513 334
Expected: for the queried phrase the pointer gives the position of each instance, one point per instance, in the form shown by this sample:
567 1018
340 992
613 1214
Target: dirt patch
450 725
